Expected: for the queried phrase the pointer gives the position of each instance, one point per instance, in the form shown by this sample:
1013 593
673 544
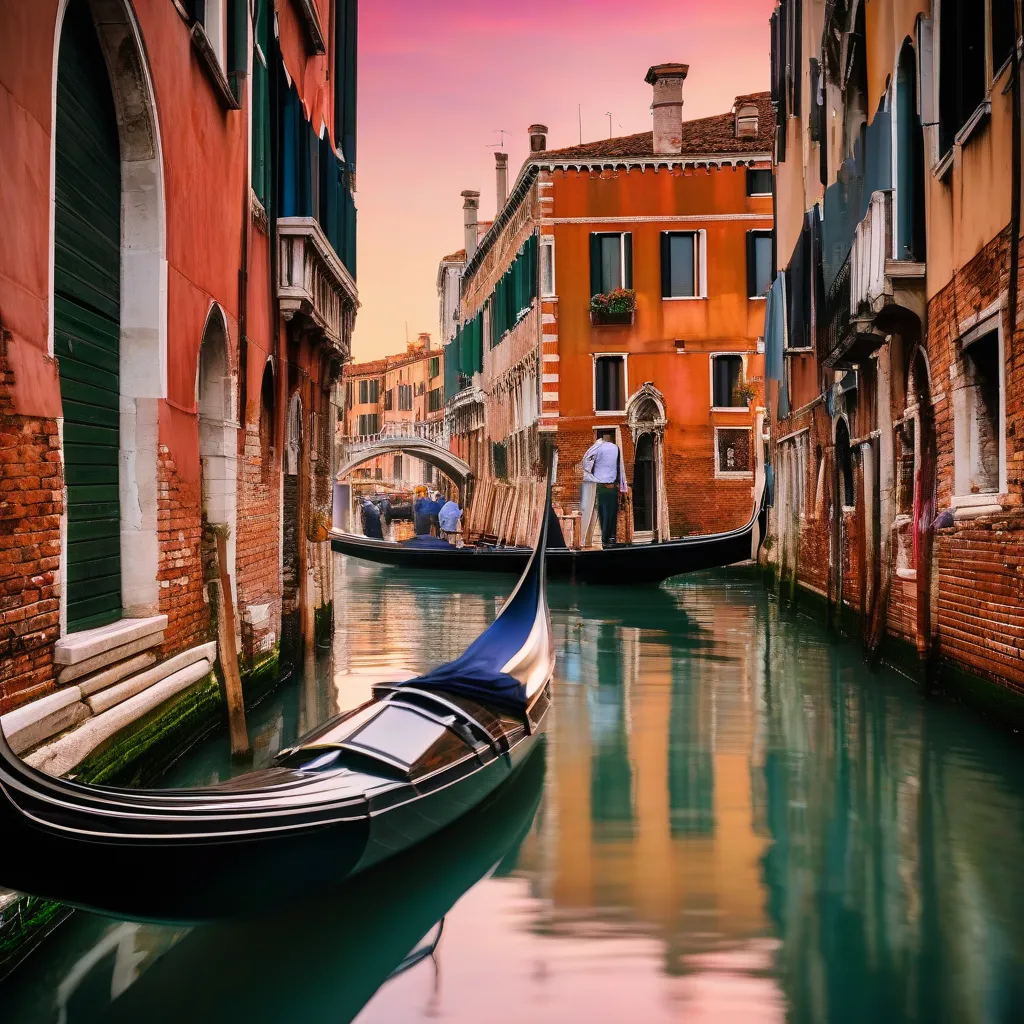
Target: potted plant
616 307
744 392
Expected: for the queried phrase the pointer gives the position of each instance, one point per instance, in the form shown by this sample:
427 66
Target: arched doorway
292 531
87 319
218 433
109 317
645 414
844 463
909 195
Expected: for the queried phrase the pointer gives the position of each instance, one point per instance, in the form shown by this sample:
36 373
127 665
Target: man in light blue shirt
603 464
449 516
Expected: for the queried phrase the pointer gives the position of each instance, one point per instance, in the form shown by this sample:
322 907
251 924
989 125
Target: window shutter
627 259
595 263
751 264
666 265
702 263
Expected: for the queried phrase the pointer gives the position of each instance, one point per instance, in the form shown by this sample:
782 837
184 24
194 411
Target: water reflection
738 823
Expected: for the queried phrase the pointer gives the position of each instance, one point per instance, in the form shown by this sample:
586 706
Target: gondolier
603 464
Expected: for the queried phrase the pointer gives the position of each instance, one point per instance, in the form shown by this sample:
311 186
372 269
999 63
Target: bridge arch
360 450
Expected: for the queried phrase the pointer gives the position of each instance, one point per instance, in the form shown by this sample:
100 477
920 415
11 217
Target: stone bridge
418 439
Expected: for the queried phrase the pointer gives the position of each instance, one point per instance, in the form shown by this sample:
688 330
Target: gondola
362 787
324 960
618 566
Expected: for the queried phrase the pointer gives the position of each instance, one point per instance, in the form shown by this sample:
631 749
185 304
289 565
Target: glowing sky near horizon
438 77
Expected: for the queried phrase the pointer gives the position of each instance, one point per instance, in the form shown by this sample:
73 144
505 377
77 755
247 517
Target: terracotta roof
376 367
455 257
703 137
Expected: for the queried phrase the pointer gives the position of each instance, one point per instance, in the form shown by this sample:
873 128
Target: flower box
608 318
614 309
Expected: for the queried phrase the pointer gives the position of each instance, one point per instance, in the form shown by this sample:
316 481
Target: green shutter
87 290
627 259
595 263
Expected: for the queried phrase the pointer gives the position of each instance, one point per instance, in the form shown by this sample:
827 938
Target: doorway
645 507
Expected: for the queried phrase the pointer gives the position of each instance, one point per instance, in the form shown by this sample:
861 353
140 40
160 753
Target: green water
732 820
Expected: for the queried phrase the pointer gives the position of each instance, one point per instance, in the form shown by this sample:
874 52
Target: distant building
404 391
897 370
680 218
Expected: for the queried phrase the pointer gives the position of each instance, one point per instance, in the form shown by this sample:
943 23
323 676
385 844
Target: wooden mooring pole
240 748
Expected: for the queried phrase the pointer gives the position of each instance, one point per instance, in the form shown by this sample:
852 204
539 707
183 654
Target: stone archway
140 325
218 433
647 419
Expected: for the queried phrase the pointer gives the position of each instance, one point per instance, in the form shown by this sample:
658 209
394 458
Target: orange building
681 219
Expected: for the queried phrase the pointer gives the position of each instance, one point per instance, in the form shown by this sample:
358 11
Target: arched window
844 460
267 421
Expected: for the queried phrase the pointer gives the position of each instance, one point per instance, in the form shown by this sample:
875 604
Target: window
547 266
368 423
348 394
435 400
375 391
681 270
611 262
1003 31
733 451
978 417
389 399
364 392
759 181
961 67
435 366
260 103
405 397
759 263
609 383
396 469
844 459
726 377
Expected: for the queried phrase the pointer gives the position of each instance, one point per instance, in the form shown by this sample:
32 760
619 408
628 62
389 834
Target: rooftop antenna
500 145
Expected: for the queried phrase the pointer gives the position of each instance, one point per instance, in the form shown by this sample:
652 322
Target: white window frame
712 356
622 255
701 254
974 329
726 474
215 24
548 242
624 356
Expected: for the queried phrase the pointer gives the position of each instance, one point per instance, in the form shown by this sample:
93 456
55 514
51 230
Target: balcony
873 294
313 284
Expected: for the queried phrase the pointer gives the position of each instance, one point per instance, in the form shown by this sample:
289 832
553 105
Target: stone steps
76 719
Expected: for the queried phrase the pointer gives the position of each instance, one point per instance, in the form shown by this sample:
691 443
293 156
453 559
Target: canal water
732 820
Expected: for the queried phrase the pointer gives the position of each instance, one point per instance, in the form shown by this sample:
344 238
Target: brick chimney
501 174
470 211
667 80
538 138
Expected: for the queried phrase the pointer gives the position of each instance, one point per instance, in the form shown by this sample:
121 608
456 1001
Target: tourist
424 512
449 516
603 464
371 520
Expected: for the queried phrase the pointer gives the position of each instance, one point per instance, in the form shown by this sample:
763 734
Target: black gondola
371 783
618 566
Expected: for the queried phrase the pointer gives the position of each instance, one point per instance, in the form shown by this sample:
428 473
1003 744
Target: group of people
432 516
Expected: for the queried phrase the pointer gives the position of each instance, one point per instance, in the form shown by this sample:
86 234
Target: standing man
603 464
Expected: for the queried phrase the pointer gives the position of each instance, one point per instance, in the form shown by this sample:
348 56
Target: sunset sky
437 77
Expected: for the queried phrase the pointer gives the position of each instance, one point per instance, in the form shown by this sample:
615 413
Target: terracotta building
403 394
681 218
895 330
177 296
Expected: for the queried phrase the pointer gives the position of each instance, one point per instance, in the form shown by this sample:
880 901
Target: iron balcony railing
834 326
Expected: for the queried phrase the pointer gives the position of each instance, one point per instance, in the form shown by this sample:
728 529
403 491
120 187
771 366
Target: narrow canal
732 820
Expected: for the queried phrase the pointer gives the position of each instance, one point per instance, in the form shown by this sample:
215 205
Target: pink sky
437 77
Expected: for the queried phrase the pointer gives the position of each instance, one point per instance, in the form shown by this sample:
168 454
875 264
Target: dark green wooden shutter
595 263
87 310
627 259
666 265
751 265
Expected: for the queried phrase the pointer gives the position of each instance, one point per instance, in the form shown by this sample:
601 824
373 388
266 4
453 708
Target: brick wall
180 535
31 504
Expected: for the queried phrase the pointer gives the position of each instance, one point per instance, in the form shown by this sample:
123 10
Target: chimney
538 138
501 173
470 210
667 107
424 341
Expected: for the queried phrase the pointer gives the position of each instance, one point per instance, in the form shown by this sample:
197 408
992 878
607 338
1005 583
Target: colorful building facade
177 295
896 338
681 220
